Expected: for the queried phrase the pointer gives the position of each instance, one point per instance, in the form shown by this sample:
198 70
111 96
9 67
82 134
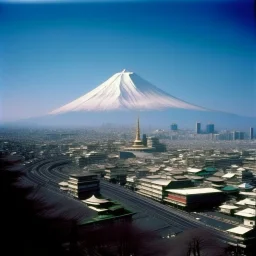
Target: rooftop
245 186
81 175
161 182
215 179
229 175
248 212
193 170
229 188
227 206
95 200
240 230
194 191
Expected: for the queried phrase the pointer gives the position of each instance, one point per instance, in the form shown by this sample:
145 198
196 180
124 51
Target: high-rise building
144 139
241 135
174 127
237 135
210 128
83 185
198 128
251 133
153 142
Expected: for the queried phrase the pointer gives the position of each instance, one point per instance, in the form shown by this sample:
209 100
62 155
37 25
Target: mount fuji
125 91
119 99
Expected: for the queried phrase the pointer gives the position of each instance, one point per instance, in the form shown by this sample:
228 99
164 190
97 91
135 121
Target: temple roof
95 200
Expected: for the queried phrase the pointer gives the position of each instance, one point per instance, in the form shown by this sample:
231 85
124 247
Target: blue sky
200 51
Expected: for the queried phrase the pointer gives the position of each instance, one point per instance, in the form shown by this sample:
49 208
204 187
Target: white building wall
249 222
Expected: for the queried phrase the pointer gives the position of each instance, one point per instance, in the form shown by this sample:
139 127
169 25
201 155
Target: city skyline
67 50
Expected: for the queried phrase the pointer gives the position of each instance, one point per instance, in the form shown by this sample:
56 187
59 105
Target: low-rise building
193 198
108 212
244 235
248 215
216 182
116 174
83 185
228 209
155 187
64 186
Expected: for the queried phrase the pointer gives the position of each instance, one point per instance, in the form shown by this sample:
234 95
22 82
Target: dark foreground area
33 226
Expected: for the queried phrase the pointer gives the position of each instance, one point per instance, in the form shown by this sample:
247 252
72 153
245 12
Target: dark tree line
28 223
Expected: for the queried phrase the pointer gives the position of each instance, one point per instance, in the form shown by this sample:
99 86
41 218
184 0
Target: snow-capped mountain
125 90
128 91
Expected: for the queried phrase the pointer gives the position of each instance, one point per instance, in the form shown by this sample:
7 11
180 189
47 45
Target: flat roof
245 185
215 179
63 183
194 191
80 175
180 177
161 182
240 230
248 212
227 206
193 170
229 175
248 193
193 177
168 168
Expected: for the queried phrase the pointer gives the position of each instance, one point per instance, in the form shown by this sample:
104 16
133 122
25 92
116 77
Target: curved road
49 173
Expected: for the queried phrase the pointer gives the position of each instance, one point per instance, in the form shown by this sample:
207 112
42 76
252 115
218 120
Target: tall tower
210 128
144 139
174 127
251 133
138 130
138 142
198 128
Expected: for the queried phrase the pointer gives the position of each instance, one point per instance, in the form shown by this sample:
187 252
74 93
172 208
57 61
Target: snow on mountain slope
125 90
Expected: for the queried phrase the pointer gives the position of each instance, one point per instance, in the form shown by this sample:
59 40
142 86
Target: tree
196 242
122 239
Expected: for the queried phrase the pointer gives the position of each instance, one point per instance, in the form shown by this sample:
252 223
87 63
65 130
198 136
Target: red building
193 198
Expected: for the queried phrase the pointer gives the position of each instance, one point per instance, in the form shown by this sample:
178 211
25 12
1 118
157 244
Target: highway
48 173
39 175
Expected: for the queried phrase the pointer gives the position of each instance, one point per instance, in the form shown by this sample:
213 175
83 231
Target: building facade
198 128
210 128
83 185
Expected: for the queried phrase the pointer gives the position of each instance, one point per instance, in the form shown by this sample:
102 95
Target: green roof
209 169
115 207
103 217
202 173
229 188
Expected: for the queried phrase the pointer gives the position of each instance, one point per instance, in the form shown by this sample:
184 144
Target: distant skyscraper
241 135
237 135
144 139
198 128
251 133
174 127
210 128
